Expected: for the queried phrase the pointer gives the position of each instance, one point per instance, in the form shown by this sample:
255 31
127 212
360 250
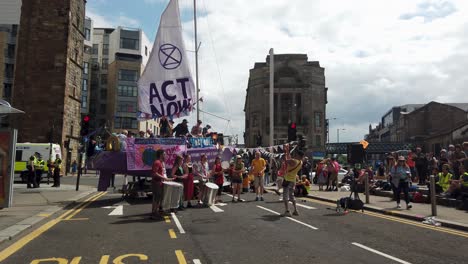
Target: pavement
447 216
108 229
32 206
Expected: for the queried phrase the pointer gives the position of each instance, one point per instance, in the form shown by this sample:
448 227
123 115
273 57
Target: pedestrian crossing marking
172 234
167 219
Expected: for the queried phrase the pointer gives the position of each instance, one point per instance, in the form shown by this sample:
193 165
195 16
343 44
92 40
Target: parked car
341 174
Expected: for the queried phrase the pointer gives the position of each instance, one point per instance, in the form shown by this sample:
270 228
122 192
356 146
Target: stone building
300 96
86 80
118 58
48 73
431 125
10 11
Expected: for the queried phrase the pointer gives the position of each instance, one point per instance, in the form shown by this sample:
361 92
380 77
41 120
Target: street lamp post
328 127
338 134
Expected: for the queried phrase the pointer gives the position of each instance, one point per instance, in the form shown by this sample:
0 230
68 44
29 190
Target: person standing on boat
197 129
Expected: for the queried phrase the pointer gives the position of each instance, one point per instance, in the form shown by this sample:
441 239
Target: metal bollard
433 196
367 188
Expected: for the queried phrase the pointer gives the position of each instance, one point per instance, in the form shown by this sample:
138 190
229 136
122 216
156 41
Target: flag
166 87
364 143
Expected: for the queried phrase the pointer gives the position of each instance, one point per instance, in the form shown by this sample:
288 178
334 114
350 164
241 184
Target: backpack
418 197
351 203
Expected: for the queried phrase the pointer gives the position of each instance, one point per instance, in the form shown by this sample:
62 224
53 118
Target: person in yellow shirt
258 171
294 165
445 178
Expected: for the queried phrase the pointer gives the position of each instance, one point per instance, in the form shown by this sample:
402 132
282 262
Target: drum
209 193
172 194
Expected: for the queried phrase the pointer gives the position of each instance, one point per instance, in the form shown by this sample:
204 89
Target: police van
25 150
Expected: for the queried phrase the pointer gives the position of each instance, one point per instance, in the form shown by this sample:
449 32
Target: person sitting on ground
302 186
445 177
460 186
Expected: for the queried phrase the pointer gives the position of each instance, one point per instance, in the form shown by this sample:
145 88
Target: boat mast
196 58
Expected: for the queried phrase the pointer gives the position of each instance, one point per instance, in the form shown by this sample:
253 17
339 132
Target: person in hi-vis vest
57 166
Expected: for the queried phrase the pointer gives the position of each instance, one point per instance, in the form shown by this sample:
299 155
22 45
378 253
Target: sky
376 53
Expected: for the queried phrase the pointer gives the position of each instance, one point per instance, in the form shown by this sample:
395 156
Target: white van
25 150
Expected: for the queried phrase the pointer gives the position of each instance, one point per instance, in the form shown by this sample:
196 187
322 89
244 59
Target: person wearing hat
443 159
181 130
401 176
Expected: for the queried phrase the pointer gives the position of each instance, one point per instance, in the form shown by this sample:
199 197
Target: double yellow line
400 220
7 252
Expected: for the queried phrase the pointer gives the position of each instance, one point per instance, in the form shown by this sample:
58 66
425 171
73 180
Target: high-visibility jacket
58 163
39 164
464 178
444 180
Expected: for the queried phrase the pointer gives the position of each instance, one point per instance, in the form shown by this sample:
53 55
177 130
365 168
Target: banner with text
141 152
166 87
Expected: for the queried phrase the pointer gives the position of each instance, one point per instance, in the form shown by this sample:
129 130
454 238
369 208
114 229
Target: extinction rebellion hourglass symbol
170 56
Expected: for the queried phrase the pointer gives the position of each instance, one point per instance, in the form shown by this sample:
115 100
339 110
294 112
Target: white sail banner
166 87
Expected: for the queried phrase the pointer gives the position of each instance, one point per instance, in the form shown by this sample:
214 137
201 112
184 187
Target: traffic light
85 125
292 130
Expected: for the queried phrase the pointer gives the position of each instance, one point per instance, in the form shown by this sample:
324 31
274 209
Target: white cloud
376 54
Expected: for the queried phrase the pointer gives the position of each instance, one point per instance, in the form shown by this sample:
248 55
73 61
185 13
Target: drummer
178 175
202 175
188 182
218 174
158 174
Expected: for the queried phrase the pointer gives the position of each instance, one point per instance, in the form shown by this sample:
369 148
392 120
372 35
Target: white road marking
118 209
290 218
380 253
229 194
221 204
305 206
216 209
196 261
176 221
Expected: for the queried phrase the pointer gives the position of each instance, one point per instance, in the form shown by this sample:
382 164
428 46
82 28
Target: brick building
300 96
48 73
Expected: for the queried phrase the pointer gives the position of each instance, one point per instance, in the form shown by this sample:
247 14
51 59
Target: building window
128 43
105 49
14 30
87 32
84 101
318 140
128 91
126 107
11 51
318 120
286 101
95 49
85 85
128 75
9 70
103 94
102 108
126 122
7 90
85 68
104 64
103 78
298 109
